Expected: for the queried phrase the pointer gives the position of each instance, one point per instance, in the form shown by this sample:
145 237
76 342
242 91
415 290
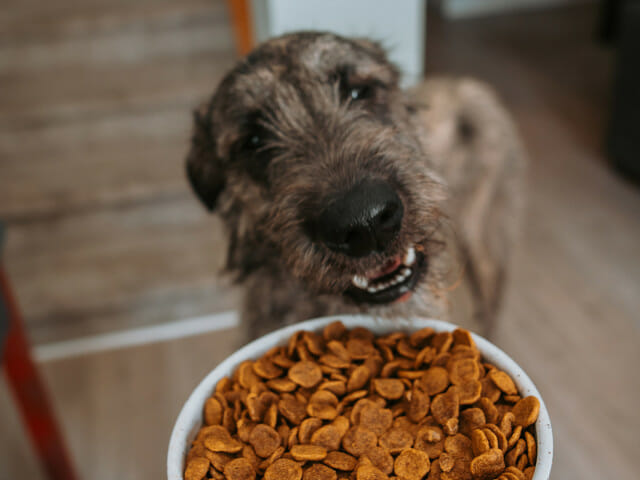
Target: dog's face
309 152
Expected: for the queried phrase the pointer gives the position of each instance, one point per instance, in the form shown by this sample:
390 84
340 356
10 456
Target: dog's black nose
363 220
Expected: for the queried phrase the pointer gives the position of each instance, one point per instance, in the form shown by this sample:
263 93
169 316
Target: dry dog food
345 404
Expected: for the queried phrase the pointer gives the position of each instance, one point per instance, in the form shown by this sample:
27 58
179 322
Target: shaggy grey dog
343 193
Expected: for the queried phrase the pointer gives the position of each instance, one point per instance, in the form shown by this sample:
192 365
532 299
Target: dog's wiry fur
448 149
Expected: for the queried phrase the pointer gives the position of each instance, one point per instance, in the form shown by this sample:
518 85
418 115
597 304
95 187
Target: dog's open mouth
394 281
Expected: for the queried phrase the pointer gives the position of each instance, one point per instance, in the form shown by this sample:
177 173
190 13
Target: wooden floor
91 180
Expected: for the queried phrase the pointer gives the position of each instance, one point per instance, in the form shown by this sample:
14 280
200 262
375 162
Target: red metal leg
30 393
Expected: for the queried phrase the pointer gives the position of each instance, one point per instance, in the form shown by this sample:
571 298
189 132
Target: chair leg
30 393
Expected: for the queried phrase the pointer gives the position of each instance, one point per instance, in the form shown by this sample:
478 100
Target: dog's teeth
372 289
409 257
360 282
406 272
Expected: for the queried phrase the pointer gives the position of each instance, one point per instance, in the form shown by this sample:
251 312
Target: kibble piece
282 385
445 406
246 376
458 445
307 427
239 469
418 405
528 472
463 337
265 368
503 382
360 348
389 388
319 472
358 440
366 471
396 440
434 380
376 419
306 374
341 461
264 440
358 378
430 439
323 404
526 411
531 446
212 412
197 468
470 419
488 465
283 469
292 409
412 464
464 370
334 331
328 436
304 453
219 440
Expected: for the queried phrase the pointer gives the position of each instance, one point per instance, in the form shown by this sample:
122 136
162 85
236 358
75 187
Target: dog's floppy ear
204 168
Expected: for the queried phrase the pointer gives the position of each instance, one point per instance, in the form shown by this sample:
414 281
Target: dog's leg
476 148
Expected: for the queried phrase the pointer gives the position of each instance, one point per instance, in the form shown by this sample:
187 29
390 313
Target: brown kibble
445 406
503 382
463 337
328 436
376 419
313 453
469 392
418 338
359 348
358 378
246 376
358 440
265 368
487 465
367 471
264 440
470 419
283 469
389 388
239 469
196 469
319 472
305 373
334 331
219 440
412 464
323 404
458 445
418 405
282 385
428 399
531 446
528 473
526 411
463 370
435 380
341 461
307 427
292 409
212 412
396 439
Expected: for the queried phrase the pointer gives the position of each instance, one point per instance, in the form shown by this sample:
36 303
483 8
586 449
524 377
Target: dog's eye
360 92
254 142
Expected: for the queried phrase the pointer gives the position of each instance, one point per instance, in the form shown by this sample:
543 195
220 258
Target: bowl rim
189 419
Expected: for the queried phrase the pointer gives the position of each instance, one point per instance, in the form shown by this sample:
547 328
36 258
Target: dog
340 192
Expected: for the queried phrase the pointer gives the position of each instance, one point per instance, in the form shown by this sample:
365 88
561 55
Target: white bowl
190 418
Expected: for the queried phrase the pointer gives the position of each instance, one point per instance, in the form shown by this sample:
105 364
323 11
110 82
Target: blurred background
114 264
